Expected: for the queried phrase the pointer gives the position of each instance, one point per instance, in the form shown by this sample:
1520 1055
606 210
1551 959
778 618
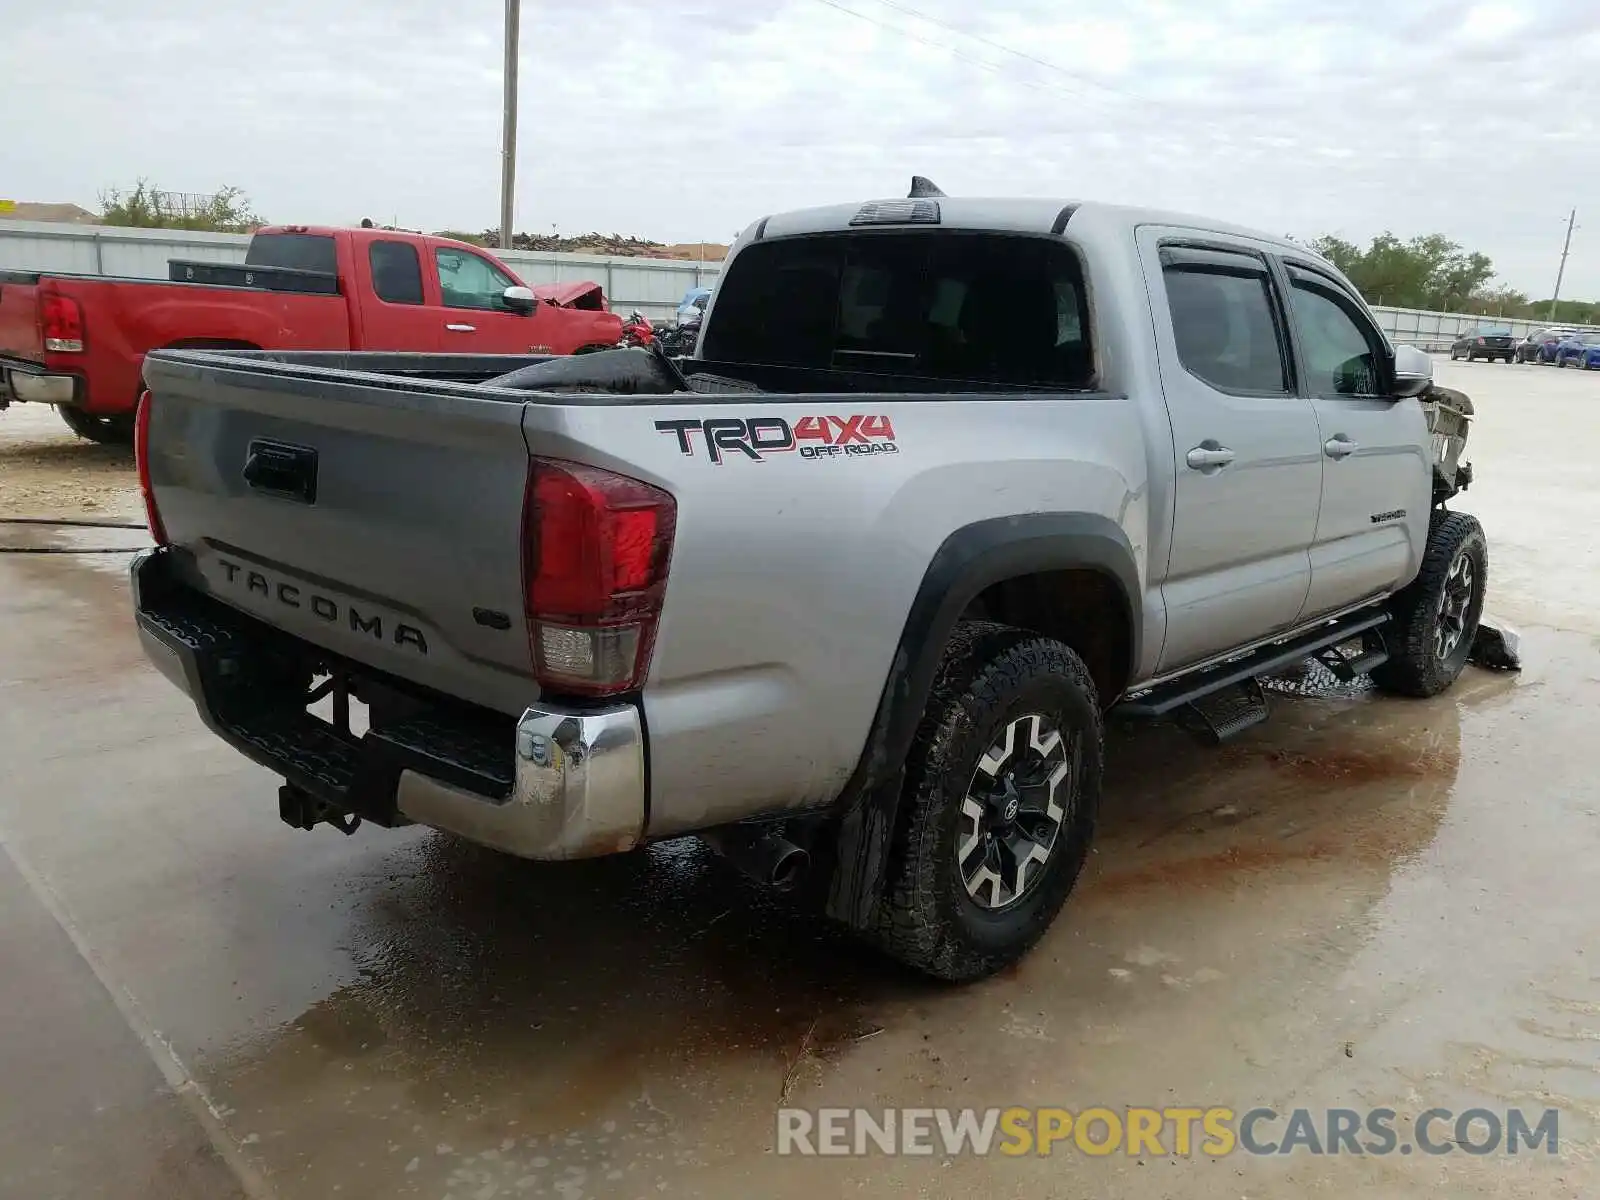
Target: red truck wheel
114 430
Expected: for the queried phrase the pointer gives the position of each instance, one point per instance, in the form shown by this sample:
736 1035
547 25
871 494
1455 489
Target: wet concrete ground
1364 902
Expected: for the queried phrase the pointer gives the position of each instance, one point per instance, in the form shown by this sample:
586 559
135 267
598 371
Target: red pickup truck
79 341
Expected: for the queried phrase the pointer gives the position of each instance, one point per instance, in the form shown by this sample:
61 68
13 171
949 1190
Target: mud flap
859 863
1497 646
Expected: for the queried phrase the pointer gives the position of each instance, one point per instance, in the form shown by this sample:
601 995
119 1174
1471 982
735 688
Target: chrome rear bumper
39 387
579 789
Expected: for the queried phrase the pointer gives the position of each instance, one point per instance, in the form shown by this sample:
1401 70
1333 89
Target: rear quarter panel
124 319
792 576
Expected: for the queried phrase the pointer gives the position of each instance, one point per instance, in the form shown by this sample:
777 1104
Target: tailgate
379 521
19 317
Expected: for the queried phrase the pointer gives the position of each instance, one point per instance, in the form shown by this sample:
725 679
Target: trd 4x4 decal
812 437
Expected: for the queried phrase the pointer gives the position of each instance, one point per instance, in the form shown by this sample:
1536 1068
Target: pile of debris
601 243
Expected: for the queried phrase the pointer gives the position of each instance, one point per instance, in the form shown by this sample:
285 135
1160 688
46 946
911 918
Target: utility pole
508 148
1562 269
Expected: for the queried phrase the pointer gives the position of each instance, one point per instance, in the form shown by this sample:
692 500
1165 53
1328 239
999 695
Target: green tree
1429 271
146 207
1567 312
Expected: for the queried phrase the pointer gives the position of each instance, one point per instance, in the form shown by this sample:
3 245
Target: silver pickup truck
849 591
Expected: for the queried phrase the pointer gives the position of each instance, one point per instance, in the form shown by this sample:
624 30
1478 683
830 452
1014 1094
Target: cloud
688 120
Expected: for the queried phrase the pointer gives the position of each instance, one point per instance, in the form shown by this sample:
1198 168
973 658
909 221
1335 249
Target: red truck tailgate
19 316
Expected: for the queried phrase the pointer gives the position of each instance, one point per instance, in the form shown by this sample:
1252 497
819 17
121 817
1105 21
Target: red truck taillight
595 550
141 458
61 322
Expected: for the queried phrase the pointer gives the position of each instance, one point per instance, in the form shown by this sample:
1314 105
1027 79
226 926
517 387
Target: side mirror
519 300
1413 372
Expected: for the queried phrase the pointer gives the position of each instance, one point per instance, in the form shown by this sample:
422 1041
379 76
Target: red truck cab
79 341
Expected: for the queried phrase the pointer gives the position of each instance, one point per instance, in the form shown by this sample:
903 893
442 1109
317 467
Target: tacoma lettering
325 608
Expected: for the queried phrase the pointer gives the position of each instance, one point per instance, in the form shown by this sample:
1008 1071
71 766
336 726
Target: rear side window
1226 329
396 272
296 251
979 308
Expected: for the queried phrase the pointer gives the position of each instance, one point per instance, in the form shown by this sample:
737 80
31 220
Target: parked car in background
1580 350
693 303
78 341
1486 341
1540 345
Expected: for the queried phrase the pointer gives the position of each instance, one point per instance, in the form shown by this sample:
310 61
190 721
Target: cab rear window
295 251
980 308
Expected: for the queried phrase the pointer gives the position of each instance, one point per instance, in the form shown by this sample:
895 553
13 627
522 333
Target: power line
1011 50
985 64
1216 128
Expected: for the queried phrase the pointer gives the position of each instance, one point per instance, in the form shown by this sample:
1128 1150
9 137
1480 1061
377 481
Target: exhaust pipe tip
768 858
790 867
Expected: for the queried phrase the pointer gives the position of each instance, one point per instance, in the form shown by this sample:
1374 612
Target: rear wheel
1435 618
1002 790
116 430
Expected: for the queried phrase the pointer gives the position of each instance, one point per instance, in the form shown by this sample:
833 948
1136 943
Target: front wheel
1434 619
114 430
1001 795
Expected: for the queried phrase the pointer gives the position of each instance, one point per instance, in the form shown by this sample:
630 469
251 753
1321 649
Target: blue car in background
693 303
1579 350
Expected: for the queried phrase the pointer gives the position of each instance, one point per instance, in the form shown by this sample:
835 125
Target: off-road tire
990 675
111 431
1415 667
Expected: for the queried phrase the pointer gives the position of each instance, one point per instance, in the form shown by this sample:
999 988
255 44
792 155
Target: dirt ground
1365 902
47 470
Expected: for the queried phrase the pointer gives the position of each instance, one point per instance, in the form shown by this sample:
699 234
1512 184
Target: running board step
1223 714
1163 698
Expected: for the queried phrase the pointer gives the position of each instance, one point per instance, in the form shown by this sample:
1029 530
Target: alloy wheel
1016 803
1455 602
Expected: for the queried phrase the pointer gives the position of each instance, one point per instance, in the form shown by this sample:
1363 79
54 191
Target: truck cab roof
996 214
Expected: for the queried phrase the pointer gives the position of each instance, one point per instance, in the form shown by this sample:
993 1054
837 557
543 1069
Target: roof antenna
923 188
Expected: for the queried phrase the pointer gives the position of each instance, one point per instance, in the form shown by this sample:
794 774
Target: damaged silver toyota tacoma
849 591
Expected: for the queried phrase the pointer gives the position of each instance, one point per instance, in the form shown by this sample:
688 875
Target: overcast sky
684 119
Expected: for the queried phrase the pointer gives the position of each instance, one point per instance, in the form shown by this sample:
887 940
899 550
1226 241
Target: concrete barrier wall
654 286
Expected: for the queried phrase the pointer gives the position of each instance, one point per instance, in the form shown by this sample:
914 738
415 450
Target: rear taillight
595 550
141 458
61 322
1481 342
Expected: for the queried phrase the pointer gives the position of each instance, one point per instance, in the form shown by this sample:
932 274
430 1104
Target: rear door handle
1339 446
462 328
1209 456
